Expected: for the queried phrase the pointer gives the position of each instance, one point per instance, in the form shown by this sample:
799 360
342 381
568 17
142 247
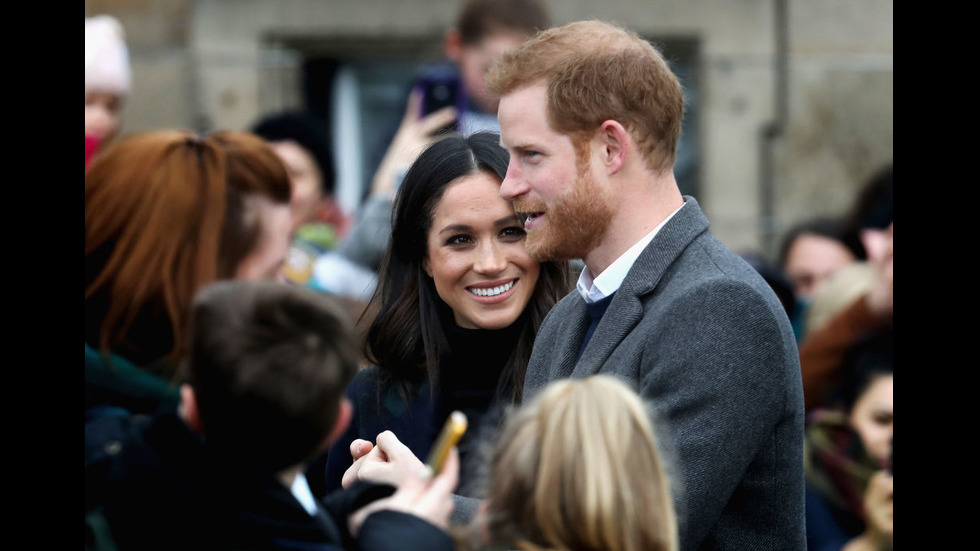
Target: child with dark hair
267 369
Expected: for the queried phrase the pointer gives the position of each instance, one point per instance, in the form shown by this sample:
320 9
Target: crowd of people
265 371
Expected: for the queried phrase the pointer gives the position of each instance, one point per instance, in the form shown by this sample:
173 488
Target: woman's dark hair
874 206
823 226
407 339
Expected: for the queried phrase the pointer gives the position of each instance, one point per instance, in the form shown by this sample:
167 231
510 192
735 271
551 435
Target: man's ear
615 143
188 409
452 45
344 415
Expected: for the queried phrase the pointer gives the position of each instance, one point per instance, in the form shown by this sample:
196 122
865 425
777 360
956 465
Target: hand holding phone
441 90
449 436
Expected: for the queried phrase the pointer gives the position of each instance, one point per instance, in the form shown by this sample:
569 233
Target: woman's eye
513 232
458 240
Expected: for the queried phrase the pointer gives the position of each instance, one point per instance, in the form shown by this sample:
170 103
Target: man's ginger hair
597 71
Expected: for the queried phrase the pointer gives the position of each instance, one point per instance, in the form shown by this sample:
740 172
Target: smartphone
451 432
442 90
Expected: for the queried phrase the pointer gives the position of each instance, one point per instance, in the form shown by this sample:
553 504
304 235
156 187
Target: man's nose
513 185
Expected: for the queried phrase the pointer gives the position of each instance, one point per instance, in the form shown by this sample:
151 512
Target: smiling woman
476 255
459 303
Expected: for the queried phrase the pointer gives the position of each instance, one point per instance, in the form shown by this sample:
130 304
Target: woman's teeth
492 291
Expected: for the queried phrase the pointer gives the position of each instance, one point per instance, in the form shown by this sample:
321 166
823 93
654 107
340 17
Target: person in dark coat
166 212
268 365
591 115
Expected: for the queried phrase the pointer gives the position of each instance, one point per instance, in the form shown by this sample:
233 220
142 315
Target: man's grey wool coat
700 334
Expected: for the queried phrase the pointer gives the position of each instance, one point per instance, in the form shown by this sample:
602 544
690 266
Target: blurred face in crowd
475 60
811 259
266 261
872 416
568 211
103 111
476 255
305 179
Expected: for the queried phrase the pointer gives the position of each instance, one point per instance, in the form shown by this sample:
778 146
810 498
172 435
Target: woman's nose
490 259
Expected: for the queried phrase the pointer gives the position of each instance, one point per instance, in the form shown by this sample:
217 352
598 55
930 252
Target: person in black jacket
267 367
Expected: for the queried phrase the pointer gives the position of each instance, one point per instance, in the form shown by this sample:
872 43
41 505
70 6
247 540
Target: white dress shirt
593 289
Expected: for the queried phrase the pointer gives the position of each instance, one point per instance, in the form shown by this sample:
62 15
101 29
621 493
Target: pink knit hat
106 56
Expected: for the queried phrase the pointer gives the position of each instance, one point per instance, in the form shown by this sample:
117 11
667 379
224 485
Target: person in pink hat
107 81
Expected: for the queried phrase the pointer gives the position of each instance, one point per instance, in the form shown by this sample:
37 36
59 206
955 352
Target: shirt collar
597 288
301 491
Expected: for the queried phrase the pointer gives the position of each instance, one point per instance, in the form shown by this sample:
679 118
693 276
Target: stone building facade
791 100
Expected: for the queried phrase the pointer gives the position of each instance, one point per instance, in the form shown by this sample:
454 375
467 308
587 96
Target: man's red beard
574 224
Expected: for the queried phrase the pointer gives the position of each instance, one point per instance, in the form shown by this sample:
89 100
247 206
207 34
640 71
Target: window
360 86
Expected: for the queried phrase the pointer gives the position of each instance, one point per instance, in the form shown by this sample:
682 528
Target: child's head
566 468
268 366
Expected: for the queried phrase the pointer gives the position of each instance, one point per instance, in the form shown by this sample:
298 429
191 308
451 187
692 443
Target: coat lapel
624 312
626 309
572 335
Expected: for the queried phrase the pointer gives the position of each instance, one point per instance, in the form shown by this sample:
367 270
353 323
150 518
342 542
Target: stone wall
794 96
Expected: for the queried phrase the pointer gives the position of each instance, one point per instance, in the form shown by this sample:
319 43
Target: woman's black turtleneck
468 382
469 376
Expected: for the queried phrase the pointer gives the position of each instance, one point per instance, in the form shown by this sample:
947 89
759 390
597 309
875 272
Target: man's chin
536 247
542 249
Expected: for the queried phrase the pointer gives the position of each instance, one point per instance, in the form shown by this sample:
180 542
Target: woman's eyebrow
456 228
512 219
466 228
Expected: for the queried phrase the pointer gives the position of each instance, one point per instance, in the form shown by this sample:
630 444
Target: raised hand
414 134
389 462
421 493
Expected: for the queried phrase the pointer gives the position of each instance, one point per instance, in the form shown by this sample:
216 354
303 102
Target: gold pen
451 432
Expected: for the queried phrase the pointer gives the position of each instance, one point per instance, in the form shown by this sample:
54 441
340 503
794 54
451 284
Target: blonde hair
836 292
579 468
